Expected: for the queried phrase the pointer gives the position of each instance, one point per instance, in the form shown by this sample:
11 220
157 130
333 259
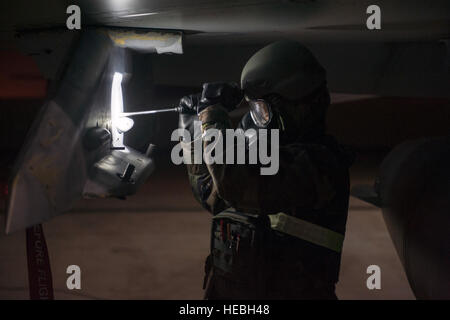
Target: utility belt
241 242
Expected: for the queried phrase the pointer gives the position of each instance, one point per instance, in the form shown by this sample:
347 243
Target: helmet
284 67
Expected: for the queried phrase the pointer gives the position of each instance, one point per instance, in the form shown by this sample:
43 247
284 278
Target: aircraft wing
76 146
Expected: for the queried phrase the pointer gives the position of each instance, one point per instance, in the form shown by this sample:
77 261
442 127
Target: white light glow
139 15
124 124
116 110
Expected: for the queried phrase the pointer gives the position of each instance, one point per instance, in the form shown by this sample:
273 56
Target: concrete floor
153 245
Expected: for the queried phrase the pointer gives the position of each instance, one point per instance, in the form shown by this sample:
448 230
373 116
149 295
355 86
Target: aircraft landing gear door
76 147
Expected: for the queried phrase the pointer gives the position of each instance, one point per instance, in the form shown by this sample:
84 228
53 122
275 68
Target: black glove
188 104
228 94
188 112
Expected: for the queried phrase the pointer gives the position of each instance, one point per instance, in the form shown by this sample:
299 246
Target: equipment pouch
238 247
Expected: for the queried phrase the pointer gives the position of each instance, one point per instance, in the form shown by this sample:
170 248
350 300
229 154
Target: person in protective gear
273 236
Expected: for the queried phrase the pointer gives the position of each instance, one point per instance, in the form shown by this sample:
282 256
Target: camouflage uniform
312 184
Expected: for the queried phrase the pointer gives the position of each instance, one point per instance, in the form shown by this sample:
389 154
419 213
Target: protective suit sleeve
200 180
300 180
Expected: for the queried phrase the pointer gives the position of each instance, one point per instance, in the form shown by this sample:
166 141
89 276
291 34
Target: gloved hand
188 112
187 120
228 94
188 104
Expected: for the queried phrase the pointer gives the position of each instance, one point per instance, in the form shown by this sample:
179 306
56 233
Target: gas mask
260 112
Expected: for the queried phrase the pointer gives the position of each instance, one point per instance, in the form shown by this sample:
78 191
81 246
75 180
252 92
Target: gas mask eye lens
260 112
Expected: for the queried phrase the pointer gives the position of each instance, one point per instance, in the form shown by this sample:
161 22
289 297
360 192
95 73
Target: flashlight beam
131 114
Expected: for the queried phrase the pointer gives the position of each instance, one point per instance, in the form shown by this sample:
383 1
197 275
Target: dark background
153 244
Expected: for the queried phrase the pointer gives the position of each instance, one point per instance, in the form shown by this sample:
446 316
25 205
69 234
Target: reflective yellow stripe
307 231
